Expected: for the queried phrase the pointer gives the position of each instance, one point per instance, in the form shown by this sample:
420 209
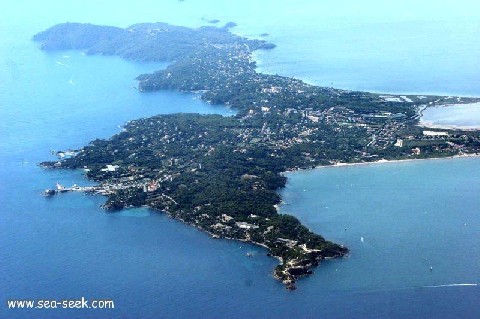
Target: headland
222 174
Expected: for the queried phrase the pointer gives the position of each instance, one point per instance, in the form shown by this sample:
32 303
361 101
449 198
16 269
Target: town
221 174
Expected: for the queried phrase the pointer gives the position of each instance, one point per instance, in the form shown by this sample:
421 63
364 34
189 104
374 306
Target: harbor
59 188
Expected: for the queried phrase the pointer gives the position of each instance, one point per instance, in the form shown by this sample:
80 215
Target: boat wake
451 285
411 288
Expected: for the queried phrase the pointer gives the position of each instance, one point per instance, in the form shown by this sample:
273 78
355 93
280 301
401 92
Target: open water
398 219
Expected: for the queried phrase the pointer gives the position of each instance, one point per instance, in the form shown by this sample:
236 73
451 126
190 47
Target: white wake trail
450 285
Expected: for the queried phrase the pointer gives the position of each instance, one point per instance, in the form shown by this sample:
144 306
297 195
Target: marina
69 247
74 188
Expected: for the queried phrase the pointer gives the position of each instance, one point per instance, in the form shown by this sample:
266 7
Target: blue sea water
398 219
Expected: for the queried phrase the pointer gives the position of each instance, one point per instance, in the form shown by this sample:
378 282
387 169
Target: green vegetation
143 42
222 174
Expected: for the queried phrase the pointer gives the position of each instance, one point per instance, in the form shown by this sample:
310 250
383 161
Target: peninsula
221 174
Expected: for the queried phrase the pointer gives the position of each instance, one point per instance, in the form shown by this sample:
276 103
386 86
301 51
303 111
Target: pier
74 188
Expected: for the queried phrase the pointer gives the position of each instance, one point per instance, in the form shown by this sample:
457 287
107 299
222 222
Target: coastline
384 161
289 283
257 57
159 256
290 238
287 279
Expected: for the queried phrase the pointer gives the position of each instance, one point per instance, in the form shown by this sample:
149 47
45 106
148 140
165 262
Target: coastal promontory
221 174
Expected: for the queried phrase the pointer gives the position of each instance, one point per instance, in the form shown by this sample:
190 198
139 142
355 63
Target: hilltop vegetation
141 42
222 174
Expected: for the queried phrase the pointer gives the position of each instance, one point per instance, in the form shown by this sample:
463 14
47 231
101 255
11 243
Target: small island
221 174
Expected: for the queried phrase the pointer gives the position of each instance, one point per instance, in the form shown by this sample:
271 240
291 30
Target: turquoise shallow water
412 215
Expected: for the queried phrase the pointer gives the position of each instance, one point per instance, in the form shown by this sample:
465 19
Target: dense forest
222 174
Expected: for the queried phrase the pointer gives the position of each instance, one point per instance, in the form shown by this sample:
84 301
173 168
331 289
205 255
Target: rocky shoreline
222 174
292 271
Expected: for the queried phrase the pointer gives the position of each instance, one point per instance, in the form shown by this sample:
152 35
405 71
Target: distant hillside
142 42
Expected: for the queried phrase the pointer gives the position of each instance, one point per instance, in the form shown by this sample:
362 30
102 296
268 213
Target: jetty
59 188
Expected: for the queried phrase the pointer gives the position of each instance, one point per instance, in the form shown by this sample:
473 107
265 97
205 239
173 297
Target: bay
412 215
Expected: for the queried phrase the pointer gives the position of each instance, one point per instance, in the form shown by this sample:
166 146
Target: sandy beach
383 161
